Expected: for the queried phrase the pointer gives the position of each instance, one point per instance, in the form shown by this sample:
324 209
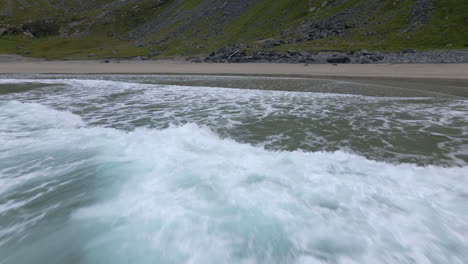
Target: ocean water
125 169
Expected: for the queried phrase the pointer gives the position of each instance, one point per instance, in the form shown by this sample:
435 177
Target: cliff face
191 27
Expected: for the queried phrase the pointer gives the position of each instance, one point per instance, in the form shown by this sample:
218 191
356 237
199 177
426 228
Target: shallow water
125 169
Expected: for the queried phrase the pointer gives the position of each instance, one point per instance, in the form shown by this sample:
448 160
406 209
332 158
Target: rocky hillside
168 28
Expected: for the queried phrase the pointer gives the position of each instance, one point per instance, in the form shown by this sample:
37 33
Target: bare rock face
7 29
31 29
42 28
420 12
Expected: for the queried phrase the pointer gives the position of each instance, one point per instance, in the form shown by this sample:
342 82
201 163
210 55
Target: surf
183 194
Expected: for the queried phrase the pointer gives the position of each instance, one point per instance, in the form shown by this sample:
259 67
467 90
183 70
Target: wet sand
404 80
441 71
370 86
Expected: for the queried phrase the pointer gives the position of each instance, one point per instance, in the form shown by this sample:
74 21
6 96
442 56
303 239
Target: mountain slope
122 28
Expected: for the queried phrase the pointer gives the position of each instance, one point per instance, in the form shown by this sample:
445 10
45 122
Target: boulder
263 41
375 57
41 28
366 52
194 60
3 31
304 53
408 51
339 59
10 30
225 54
154 53
139 44
272 43
28 34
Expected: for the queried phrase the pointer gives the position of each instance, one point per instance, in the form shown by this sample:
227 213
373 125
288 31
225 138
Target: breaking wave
80 194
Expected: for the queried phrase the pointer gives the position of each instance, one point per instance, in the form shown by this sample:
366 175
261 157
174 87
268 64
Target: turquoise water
126 170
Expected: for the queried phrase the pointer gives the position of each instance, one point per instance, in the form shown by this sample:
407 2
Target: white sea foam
16 115
185 195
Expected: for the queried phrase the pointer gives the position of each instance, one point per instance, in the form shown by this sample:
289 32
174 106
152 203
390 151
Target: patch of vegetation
105 25
70 48
8 46
266 18
190 4
447 27
132 15
23 11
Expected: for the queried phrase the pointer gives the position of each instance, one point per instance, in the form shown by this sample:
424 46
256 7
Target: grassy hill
167 28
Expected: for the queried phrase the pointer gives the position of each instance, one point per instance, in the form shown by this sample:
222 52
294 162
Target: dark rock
364 61
226 54
420 13
194 60
366 52
154 53
10 30
139 44
339 59
271 43
105 61
375 57
238 54
42 28
3 31
408 51
304 54
157 42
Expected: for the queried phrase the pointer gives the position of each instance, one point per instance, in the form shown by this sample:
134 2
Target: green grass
263 19
71 48
31 8
266 18
446 26
190 4
443 30
8 46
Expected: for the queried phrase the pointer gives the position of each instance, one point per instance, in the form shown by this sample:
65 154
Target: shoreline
424 71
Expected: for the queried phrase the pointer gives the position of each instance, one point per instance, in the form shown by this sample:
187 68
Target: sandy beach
439 71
